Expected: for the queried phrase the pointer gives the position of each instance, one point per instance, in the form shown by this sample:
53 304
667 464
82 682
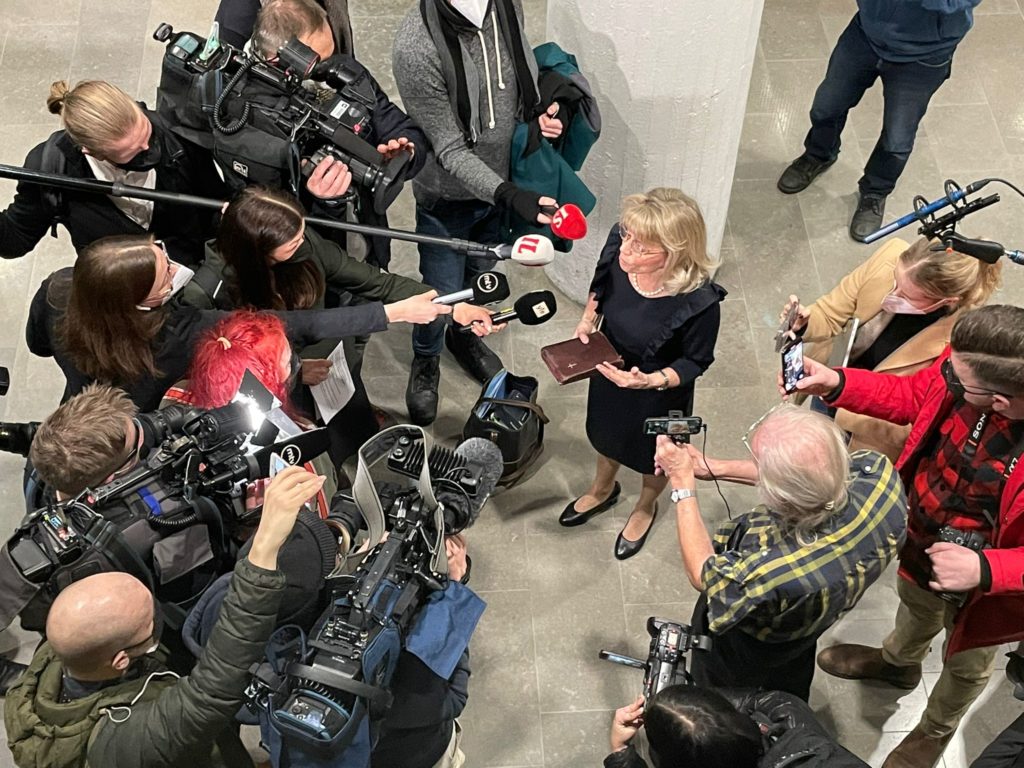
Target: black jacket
172 348
792 735
87 217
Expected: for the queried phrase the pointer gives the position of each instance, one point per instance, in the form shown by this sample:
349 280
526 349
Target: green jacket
175 723
208 289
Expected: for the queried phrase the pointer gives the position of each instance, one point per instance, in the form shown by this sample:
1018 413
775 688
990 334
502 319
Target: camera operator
688 726
961 470
467 75
90 689
237 17
391 131
774 579
110 137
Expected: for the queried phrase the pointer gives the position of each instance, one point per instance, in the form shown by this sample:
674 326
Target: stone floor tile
788 31
574 739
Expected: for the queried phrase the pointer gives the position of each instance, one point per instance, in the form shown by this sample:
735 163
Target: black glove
522 202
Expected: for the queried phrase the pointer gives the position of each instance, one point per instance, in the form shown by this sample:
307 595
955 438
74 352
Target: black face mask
147 159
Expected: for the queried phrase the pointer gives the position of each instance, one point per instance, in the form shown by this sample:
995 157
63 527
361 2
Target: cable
1011 186
704 456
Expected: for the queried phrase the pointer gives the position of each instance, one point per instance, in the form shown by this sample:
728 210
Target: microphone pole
953 196
117 189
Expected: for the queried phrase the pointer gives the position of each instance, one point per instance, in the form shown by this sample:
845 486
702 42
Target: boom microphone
569 222
528 250
459 506
532 308
487 288
953 196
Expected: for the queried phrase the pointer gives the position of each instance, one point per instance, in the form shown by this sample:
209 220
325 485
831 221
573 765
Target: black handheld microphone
295 450
487 288
532 308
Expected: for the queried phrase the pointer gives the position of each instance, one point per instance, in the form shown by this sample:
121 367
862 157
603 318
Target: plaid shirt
958 482
767 584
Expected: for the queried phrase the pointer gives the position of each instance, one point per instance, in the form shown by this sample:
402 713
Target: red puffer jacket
988 618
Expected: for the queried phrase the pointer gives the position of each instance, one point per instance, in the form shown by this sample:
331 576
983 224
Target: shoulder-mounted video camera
169 521
318 689
666 661
206 93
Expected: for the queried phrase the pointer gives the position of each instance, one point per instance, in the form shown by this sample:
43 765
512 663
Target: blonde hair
671 220
950 274
803 466
95 114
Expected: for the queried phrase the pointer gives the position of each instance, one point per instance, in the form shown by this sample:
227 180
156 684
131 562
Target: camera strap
366 498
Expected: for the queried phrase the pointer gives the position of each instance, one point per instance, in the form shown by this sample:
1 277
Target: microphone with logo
567 222
528 250
487 288
531 308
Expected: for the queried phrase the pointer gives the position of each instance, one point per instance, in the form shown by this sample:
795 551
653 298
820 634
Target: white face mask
181 277
474 11
898 305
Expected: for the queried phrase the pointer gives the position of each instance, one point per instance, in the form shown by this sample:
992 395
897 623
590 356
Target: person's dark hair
687 726
105 335
254 224
990 340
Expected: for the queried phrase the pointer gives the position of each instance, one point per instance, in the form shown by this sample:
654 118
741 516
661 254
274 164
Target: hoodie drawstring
487 77
497 49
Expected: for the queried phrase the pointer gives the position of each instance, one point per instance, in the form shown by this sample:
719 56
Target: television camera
318 690
204 92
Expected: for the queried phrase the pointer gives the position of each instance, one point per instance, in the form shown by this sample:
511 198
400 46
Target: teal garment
550 169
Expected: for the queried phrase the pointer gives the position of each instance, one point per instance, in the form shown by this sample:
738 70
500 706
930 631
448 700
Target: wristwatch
678 494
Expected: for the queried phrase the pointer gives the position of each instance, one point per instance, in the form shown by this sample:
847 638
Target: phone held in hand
792 365
782 335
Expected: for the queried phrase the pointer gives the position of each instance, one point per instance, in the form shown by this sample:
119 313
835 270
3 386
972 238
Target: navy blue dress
677 332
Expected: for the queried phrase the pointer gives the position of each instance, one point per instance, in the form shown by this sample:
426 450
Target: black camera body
666 659
325 683
203 93
970 539
140 522
675 425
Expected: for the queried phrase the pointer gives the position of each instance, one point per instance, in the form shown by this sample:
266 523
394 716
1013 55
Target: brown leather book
573 360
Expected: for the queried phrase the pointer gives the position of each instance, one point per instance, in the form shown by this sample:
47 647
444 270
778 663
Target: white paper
334 392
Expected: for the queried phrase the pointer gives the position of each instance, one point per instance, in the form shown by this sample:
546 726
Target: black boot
472 354
421 394
868 216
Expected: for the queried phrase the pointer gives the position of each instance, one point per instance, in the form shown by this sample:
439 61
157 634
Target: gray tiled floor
539 695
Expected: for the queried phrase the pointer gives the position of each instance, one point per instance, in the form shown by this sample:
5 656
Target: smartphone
782 337
792 366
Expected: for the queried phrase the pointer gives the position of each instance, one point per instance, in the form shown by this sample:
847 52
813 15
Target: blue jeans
445 269
907 89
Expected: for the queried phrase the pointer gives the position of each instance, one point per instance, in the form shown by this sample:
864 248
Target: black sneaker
801 172
421 394
472 354
868 216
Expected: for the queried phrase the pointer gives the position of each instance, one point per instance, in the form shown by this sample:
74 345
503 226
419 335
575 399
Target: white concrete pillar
671 78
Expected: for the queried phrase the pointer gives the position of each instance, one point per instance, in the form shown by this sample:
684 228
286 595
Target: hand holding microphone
531 308
419 309
524 203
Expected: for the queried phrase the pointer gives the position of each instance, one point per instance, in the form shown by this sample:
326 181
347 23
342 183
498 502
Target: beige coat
860 295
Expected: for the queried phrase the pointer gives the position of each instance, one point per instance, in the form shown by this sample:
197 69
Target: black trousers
739 660
1007 751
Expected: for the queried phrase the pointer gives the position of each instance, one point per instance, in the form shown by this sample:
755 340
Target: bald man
772 580
91 689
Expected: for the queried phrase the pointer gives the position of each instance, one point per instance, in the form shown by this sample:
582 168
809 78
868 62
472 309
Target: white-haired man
774 579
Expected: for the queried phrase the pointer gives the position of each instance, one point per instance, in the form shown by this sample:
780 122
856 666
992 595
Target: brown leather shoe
917 750
862 662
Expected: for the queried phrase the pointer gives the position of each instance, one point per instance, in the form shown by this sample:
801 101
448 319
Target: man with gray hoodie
467 75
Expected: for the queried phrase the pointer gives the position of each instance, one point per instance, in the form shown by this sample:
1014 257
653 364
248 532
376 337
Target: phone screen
792 365
277 464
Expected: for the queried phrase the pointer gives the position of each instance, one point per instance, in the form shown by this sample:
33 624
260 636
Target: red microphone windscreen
569 222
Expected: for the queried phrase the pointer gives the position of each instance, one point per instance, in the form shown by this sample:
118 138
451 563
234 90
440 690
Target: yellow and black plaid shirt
772 587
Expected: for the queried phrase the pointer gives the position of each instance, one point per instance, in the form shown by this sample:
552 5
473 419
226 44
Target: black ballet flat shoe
570 517
624 548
